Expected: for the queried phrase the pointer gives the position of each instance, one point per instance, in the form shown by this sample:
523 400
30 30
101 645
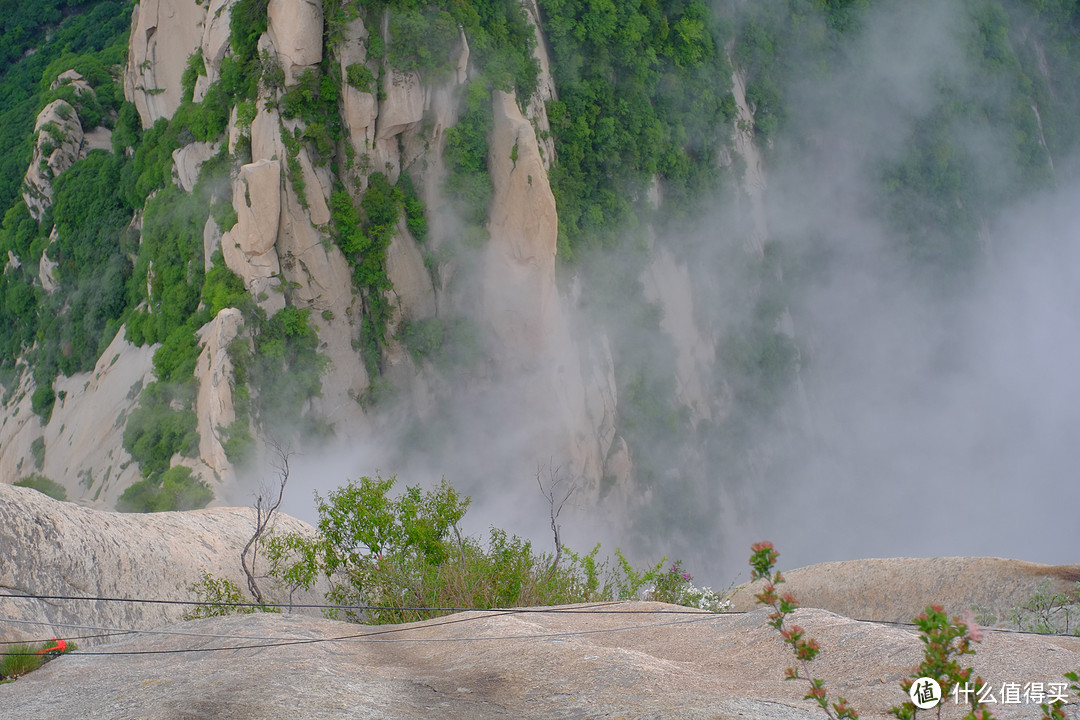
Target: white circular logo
925 693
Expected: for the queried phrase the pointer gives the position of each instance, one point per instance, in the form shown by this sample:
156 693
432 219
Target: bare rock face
249 247
324 284
266 141
899 589
519 284
214 402
215 37
211 242
56 548
188 160
295 27
164 33
536 110
637 660
58 145
403 106
413 291
84 440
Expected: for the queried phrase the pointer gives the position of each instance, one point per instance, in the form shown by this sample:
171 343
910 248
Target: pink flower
686 576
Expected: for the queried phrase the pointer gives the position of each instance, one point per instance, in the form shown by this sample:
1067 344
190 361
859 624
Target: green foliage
285 367
164 424
220 597
42 401
43 485
641 86
1047 611
94 28
400 554
37 451
415 219
468 185
19 659
451 344
359 77
423 39
174 489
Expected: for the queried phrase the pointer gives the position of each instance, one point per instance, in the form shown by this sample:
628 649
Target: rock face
214 403
519 283
295 27
899 589
188 160
58 145
164 33
634 660
56 548
249 246
83 443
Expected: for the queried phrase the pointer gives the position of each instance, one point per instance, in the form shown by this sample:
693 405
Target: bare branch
556 497
264 510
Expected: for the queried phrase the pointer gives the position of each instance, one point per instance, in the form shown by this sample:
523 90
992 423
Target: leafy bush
400 556
43 485
174 489
359 77
37 450
220 597
156 431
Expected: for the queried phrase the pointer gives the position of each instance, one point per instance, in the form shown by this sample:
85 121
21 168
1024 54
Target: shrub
43 485
37 450
359 77
174 489
396 558
19 659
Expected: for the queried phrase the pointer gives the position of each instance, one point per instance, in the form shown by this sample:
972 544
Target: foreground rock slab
639 660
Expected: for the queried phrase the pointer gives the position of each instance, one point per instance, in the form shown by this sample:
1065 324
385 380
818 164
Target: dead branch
556 497
264 510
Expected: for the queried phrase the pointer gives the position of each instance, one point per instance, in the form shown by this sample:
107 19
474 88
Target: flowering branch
805 649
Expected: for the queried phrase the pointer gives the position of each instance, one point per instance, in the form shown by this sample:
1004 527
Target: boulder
295 27
57 145
899 589
266 141
58 548
164 33
249 246
403 106
188 160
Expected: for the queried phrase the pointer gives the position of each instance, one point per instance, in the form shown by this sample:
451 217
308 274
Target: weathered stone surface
295 27
188 160
215 37
54 548
413 293
214 402
640 660
536 110
248 247
519 282
899 589
164 33
403 106
266 141
211 242
58 144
